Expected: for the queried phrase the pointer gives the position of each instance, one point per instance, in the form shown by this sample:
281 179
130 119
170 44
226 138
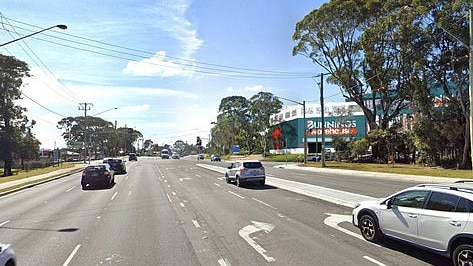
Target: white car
436 217
245 172
7 255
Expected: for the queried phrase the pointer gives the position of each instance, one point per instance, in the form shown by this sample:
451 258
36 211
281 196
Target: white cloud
158 65
171 18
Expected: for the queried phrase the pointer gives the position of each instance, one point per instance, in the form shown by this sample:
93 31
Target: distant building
344 119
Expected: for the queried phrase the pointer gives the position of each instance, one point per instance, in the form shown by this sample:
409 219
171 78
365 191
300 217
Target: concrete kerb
17 185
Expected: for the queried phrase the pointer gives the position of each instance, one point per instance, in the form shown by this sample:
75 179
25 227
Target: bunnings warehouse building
345 119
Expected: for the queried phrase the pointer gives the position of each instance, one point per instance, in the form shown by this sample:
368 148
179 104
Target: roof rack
464 181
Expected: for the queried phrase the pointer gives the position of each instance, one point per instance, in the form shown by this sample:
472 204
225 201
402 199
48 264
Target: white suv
246 171
437 217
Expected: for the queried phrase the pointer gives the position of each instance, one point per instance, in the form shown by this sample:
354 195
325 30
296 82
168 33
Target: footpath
335 196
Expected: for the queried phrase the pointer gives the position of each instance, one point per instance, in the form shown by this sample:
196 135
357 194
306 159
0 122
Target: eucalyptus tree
234 119
12 72
100 133
446 25
262 106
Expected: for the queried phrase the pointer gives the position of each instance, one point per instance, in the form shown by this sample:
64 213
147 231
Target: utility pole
85 107
322 117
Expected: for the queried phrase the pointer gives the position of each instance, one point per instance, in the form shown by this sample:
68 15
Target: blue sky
165 64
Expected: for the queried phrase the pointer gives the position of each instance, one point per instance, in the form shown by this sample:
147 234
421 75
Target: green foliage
244 122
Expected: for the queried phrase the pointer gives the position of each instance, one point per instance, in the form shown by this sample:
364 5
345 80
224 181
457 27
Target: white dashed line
235 194
114 195
169 198
374 261
223 262
218 185
70 189
196 223
4 223
71 256
264 203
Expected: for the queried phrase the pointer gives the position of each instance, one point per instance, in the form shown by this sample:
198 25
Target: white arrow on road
246 231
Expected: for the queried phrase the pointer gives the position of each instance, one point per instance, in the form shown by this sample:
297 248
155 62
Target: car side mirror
389 203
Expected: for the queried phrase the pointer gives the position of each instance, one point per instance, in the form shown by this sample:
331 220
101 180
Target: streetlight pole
61 26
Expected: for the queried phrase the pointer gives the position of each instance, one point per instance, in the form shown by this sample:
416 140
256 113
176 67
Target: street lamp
61 26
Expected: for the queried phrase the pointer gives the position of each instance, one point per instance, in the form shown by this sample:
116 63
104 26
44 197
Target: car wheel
10 263
369 228
238 183
463 255
227 179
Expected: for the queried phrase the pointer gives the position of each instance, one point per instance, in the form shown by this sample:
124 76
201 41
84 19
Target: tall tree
12 72
262 106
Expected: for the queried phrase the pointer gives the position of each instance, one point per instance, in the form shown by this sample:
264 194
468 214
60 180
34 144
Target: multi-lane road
176 212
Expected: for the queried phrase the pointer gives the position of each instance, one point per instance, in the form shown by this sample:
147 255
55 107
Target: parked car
215 158
7 255
436 217
175 155
248 171
200 157
97 175
118 165
132 157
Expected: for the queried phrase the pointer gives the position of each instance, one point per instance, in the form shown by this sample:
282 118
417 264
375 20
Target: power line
125 53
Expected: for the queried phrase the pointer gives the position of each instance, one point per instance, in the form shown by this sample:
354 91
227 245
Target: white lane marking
165 180
235 194
169 185
71 256
223 262
4 223
264 203
169 198
114 195
70 189
218 185
196 223
184 178
174 193
182 205
374 261
198 175
334 219
246 231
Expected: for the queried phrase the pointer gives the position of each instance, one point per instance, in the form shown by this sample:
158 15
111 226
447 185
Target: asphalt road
176 212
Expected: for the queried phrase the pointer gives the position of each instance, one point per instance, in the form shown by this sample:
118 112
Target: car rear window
95 168
252 165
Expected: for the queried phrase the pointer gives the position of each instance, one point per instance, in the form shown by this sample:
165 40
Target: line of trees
393 55
16 137
244 122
